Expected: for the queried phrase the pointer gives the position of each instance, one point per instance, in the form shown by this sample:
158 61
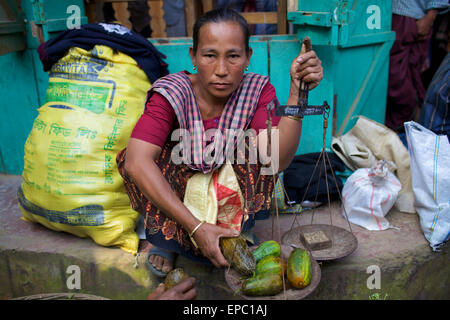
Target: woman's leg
159 241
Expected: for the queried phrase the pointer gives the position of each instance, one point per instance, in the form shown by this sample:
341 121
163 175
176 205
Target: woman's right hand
207 238
308 67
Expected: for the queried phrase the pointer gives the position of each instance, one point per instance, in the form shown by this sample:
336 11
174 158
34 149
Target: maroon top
405 87
159 119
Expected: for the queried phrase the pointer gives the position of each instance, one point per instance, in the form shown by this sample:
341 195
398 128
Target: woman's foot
160 261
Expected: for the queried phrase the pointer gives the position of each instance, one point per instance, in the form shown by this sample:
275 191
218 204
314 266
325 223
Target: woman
218 96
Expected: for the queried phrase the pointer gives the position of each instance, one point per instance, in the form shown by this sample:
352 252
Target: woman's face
220 58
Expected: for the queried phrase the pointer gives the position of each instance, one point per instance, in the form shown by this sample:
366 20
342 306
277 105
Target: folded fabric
299 173
115 36
369 141
216 198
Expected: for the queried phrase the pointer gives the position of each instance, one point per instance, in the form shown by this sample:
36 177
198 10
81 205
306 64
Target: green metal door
353 38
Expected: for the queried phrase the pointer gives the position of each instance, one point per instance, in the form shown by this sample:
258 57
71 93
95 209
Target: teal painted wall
23 83
22 88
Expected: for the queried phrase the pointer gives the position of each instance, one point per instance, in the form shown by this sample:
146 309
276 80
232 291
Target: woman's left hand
208 237
308 67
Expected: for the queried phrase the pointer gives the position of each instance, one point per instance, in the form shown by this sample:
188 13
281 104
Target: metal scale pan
343 242
235 280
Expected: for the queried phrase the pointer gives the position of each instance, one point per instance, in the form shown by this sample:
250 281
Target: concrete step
35 260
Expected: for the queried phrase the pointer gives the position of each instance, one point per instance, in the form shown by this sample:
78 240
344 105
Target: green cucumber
299 268
269 264
263 285
267 248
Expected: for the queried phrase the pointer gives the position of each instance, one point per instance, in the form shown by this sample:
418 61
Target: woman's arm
140 165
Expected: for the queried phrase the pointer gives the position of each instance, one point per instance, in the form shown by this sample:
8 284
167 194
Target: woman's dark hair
221 15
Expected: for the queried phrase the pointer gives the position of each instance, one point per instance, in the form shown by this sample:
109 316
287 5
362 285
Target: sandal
162 253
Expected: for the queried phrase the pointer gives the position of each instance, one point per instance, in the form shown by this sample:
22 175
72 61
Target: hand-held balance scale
322 242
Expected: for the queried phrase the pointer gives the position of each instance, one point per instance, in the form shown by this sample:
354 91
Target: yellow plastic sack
70 177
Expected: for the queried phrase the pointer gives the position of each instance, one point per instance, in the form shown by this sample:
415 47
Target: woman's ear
192 54
249 55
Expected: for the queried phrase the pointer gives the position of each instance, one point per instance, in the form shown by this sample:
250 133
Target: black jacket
115 36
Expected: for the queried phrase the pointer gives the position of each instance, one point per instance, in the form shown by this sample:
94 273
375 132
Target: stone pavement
34 260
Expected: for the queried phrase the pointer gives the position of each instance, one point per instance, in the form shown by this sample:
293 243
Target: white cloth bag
369 141
430 172
368 195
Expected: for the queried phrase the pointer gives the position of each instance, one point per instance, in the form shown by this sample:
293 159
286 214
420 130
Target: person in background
438 46
185 290
174 17
412 21
139 17
435 112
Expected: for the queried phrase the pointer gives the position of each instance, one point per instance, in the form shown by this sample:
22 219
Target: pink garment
159 120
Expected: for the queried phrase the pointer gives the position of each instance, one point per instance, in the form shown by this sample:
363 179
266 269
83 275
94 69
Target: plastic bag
369 194
369 141
279 194
70 178
430 172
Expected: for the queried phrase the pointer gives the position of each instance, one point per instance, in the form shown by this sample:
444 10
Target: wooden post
207 5
122 14
91 13
260 17
157 22
281 23
190 15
